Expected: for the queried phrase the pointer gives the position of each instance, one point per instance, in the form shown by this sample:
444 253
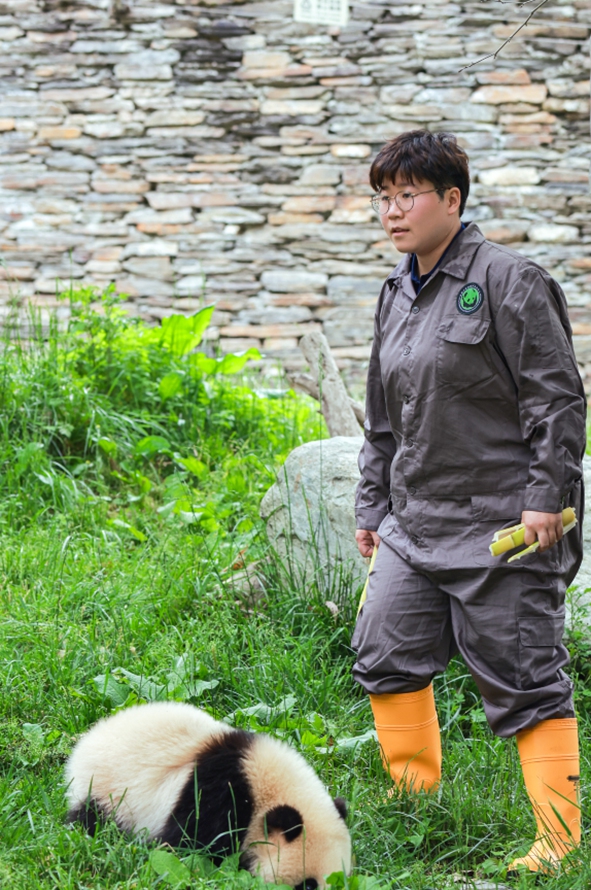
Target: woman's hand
366 541
543 527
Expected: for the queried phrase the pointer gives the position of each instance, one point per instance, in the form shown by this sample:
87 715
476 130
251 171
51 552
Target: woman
475 421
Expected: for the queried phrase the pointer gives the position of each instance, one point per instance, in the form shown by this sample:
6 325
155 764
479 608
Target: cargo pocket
539 636
491 513
462 357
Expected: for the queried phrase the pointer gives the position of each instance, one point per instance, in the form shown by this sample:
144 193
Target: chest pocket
463 360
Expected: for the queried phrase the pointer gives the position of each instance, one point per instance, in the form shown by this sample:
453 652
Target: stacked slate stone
195 150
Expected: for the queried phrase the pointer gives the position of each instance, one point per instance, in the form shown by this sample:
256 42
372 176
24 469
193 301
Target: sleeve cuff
543 500
370 519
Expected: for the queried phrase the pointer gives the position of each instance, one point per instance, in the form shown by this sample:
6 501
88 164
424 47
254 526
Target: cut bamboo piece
508 538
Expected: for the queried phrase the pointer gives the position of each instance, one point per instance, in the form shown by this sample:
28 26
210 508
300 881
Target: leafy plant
111 403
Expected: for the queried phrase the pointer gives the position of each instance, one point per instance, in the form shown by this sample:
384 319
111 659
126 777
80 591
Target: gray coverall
475 412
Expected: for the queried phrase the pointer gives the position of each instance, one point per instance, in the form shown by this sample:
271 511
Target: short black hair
420 155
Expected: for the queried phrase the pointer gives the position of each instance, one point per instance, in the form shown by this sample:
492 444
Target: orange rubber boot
550 762
408 733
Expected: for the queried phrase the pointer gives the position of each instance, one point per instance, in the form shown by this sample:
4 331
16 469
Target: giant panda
172 771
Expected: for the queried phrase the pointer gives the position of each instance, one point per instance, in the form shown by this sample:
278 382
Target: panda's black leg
89 814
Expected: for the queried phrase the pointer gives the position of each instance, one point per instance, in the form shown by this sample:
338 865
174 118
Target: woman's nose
394 210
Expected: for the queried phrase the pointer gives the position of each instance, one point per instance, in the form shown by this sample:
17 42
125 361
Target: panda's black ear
285 819
341 806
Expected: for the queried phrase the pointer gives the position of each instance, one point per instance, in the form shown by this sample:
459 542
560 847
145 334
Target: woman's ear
454 199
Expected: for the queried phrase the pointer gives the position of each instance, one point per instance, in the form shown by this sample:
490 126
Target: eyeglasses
405 201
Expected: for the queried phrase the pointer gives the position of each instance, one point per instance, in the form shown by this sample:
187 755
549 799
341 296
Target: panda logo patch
470 299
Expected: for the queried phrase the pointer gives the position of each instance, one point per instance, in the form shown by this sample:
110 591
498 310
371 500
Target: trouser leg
403 635
508 625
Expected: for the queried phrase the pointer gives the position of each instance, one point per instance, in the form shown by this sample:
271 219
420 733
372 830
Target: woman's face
432 218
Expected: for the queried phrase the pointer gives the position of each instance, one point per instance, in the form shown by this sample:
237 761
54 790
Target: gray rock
310 511
288 281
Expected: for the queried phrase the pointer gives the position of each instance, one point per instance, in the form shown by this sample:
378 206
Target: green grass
128 507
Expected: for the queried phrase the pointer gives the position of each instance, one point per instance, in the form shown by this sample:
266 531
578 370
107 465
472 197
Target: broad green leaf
172 871
200 865
338 881
234 362
199 686
28 455
310 740
141 481
228 364
368 882
286 705
182 333
107 445
261 710
193 465
144 687
170 385
188 516
151 445
119 523
176 486
116 693
166 509
182 665
34 733
203 362
355 741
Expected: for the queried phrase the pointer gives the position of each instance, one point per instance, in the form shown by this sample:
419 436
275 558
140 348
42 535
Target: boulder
310 511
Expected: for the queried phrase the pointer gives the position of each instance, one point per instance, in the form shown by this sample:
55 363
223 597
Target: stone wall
192 149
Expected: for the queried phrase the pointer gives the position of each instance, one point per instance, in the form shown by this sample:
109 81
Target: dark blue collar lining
419 280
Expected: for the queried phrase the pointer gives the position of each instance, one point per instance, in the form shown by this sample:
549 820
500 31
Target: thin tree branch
510 38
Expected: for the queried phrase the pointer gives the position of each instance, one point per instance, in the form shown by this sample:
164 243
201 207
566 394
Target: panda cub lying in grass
173 771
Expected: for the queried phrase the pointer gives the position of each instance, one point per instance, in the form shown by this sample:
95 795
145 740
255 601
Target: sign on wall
321 12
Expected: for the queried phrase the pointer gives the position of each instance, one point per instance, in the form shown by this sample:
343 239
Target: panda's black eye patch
285 819
308 884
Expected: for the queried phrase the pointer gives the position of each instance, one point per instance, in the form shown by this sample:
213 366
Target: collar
455 261
419 280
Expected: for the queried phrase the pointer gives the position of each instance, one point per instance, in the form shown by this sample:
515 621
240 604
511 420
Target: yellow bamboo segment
507 539
363 596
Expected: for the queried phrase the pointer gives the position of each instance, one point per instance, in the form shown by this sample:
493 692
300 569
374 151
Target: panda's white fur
144 765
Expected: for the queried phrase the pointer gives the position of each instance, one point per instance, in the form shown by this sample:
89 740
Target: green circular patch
470 298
